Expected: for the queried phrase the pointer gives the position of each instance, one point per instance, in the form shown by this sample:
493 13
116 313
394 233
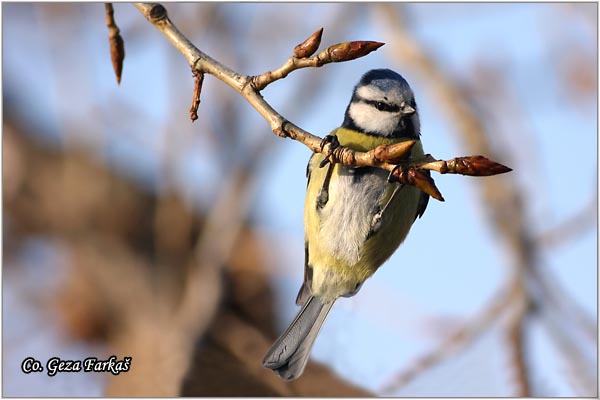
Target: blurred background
130 230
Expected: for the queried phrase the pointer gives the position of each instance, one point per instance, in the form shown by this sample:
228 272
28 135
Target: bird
354 217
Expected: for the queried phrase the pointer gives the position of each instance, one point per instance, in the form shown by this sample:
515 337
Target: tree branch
404 171
338 52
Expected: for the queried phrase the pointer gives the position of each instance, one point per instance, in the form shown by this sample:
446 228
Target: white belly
346 218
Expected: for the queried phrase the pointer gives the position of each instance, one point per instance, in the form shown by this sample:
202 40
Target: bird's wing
304 292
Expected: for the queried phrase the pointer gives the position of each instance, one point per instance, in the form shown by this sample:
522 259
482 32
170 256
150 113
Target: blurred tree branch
503 202
454 341
570 228
113 288
500 196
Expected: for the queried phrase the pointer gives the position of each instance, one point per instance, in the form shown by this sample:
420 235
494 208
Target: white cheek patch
370 119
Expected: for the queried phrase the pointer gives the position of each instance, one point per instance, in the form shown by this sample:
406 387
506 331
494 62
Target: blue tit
354 218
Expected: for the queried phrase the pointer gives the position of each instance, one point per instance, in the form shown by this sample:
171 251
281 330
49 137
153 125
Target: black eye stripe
383 106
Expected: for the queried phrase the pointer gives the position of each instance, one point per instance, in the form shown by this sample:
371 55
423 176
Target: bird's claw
334 144
391 178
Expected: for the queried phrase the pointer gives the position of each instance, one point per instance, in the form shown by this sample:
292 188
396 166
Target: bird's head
383 104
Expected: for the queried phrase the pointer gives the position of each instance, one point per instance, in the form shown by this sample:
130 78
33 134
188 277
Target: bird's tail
289 354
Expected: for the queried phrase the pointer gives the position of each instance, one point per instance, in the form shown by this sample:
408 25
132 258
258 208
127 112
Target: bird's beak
407 110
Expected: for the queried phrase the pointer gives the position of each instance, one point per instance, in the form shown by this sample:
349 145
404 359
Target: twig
249 88
337 53
196 98
199 61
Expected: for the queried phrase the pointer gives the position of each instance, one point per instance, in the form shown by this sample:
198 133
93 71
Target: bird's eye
381 106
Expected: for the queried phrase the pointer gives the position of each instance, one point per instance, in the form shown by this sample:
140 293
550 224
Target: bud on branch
416 178
470 165
350 50
393 153
309 46
302 57
117 47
